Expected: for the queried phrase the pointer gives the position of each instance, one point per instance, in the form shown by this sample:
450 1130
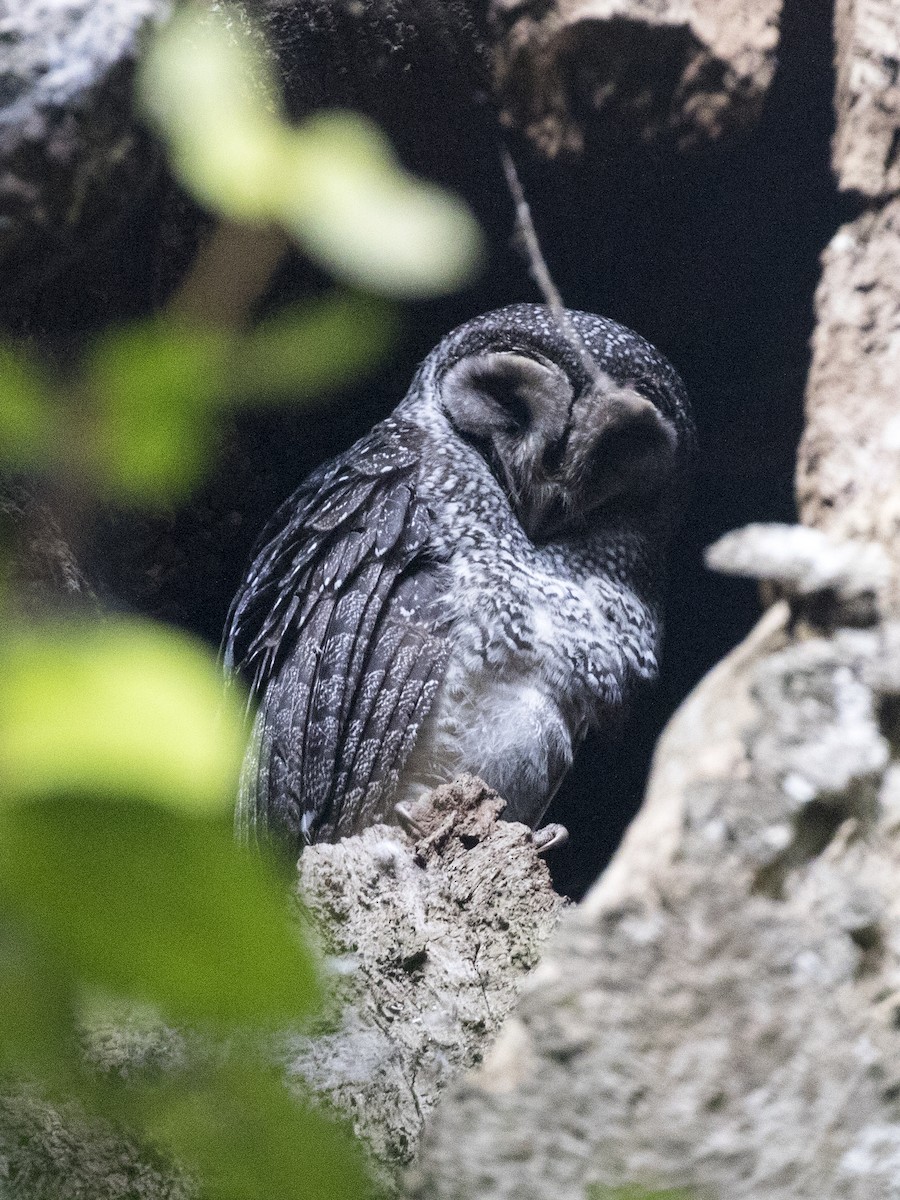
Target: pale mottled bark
849 463
866 149
434 941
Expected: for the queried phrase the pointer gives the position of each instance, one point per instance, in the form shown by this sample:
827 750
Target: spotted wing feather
339 631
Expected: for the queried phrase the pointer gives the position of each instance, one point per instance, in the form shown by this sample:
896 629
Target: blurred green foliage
239 1130
332 183
120 881
152 392
37 1000
25 418
88 708
135 423
155 905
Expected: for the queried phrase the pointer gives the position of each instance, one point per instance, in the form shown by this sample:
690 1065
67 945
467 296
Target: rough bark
438 939
428 941
866 149
71 160
686 71
52 1154
720 1013
848 471
828 581
848 476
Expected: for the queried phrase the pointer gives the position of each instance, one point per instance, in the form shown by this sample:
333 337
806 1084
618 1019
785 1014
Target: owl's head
576 435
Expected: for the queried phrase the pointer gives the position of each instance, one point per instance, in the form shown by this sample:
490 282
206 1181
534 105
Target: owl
471 587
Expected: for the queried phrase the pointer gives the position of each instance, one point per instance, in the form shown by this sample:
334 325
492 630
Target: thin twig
537 264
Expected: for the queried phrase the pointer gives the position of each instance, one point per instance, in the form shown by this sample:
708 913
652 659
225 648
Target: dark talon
549 837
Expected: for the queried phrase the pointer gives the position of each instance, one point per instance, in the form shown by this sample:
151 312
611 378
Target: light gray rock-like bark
684 70
432 943
848 474
866 150
52 1154
832 582
848 471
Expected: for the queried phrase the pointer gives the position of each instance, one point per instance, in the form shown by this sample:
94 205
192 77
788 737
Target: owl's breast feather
583 640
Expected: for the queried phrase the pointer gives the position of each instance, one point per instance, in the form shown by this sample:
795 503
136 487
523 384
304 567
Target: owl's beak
631 455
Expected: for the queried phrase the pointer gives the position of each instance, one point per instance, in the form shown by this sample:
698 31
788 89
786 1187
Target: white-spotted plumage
470 587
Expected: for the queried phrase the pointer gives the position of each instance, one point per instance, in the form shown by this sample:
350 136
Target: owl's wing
338 630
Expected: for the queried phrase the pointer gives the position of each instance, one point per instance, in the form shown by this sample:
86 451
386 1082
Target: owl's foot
407 821
549 837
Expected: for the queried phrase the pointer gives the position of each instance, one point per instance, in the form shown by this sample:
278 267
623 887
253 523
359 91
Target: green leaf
245 1138
313 348
206 87
151 387
37 1030
26 417
122 707
369 221
158 906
